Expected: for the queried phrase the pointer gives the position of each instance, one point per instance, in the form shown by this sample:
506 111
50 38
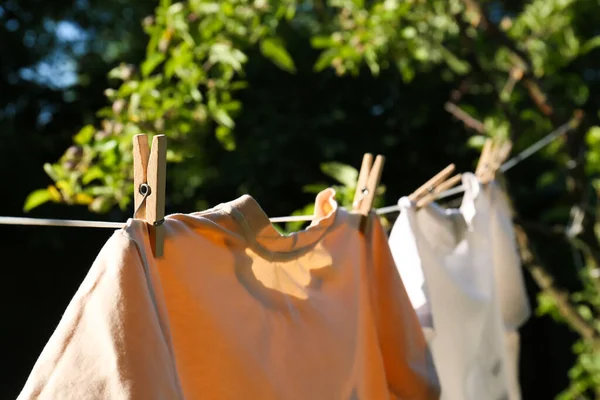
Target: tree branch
577 182
463 116
546 284
469 43
532 84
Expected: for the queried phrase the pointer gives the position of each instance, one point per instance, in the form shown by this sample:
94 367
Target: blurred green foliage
197 52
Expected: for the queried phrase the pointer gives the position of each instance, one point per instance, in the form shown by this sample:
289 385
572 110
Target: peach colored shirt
234 310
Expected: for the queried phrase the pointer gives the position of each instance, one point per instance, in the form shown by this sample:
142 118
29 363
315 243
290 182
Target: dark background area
290 124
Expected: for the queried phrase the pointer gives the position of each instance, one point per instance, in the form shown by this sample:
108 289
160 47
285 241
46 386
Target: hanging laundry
510 284
234 310
446 262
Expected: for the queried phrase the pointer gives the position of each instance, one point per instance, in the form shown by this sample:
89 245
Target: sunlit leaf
36 199
204 7
371 60
476 141
274 50
325 59
593 136
100 204
345 174
590 45
457 65
314 188
223 118
321 42
150 63
54 193
225 137
84 135
83 198
92 174
50 171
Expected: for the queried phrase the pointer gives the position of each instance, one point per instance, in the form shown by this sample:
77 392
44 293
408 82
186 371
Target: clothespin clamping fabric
493 154
431 189
368 180
149 178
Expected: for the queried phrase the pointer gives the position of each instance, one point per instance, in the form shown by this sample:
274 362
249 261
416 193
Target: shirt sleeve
109 343
408 362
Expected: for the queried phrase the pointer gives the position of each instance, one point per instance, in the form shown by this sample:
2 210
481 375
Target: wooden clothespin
503 153
149 179
494 153
431 189
483 164
366 188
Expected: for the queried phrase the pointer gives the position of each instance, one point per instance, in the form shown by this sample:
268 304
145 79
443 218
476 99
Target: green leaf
223 118
421 53
134 103
408 73
225 137
36 198
590 45
476 141
546 305
325 59
314 188
108 146
321 42
122 71
408 32
371 59
100 205
275 51
457 65
92 174
150 64
175 8
51 172
203 7
223 53
196 95
593 136
128 88
344 174
585 312
546 179
84 135
238 85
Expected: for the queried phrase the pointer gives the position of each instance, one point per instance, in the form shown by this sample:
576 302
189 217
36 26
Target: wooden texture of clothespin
494 153
503 153
439 189
149 179
366 188
430 185
484 158
431 189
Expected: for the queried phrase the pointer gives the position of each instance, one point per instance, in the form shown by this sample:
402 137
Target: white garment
507 263
447 263
510 285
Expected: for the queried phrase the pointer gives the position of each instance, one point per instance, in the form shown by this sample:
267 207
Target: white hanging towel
446 261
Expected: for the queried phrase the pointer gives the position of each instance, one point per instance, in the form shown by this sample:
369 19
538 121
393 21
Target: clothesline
534 148
528 152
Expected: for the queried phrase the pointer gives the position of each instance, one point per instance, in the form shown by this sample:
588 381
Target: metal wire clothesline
529 151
